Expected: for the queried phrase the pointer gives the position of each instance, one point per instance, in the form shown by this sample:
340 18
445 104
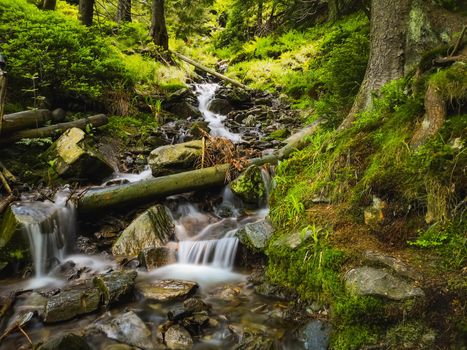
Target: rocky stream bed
184 273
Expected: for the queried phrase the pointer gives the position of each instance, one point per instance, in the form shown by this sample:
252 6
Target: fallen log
209 70
30 119
96 120
99 199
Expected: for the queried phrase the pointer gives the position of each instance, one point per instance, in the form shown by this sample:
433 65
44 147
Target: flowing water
207 250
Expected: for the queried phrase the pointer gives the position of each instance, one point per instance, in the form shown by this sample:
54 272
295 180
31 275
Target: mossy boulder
173 159
153 228
249 186
74 157
115 285
14 245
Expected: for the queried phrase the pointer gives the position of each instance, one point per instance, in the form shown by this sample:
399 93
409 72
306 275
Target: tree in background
124 11
159 32
86 12
49 5
401 32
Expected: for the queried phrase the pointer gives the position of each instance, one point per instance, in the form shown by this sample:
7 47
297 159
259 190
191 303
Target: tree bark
86 12
401 32
259 18
2 97
124 11
97 120
30 119
158 26
101 199
49 5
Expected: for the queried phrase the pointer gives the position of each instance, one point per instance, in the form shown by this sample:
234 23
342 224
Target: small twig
459 41
25 334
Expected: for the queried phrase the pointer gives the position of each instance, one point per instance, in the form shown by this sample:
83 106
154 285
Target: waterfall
206 93
49 228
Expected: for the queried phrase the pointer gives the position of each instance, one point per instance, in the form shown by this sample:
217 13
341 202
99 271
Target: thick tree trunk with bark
86 12
401 32
49 5
124 11
158 26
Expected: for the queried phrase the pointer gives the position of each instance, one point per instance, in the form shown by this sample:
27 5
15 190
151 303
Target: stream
207 253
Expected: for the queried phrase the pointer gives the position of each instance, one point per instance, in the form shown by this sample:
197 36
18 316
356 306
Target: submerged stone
127 328
249 186
178 338
378 282
173 159
315 335
68 341
153 228
73 156
256 235
167 290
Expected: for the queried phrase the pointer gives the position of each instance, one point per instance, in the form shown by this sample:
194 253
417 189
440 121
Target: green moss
249 186
353 337
411 335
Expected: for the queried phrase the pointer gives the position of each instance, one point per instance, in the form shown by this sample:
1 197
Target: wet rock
157 257
115 285
196 323
73 156
252 336
183 109
219 106
272 291
167 290
75 300
175 158
178 338
13 245
198 127
249 186
256 235
315 335
127 328
378 282
153 228
195 305
68 341
234 95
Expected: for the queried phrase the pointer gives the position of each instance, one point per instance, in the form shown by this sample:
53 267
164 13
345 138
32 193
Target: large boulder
167 290
73 156
249 186
256 235
157 257
173 159
379 282
127 328
153 228
115 285
220 106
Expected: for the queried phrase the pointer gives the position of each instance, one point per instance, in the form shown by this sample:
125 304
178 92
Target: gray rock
127 328
178 338
256 235
395 264
73 156
250 120
183 110
157 257
175 158
220 106
153 228
249 186
68 341
167 290
378 282
315 335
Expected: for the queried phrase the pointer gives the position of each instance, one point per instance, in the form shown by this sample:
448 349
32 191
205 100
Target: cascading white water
49 228
206 93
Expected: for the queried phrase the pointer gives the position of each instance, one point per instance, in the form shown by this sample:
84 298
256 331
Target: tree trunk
47 131
124 11
30 119
158 26
259 18
86 12
49 5
101 199
2 97
401 32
